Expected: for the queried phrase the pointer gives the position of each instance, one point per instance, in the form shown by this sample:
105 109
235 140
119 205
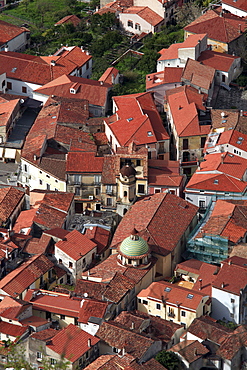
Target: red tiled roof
145 13
99 236
216 182
232 345
92 308
198 74
114 335
84 163
184 112
7 108
93 91
39 70
240 4
72 342
10 31
168 76
69 19
44 335
34 321
172 51
111 362
218 61
76 245
137 120
164 218
108 74
223 28
24 220
227 220
10 199
12 308
231 277
156 291
37 246
12 330
205 327
190 350
57 303
26 274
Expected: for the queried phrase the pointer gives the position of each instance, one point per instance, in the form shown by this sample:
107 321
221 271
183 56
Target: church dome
134 246
127 171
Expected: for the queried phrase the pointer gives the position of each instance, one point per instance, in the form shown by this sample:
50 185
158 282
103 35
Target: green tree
170 360
188 13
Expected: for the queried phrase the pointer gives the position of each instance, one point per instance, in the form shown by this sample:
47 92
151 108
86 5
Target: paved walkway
233 99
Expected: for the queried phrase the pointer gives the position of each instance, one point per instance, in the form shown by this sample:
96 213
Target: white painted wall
223 307
233 10
17 87
137 20
18 43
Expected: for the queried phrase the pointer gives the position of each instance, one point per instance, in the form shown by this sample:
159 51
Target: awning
10 153
1 152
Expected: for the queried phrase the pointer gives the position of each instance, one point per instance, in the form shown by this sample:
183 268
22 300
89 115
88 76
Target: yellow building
174 303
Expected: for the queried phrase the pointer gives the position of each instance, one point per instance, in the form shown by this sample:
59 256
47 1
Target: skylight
150 133
216 182
190 296
129 119
14 69
168 289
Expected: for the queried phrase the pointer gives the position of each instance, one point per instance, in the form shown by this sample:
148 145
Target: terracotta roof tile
198 74
44 335
10 198
176 293
168 76
100 237
75 245
205 327
136 116
84 162
72 342
12 330
223 28
26 274
37 246
69 19
93 91
92 308
161 213
145 13
190 350
10 31
114 335
241 4
232 345
108 74
218 61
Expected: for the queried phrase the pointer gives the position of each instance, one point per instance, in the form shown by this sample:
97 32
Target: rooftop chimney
200 284
53 63
222 285
89 343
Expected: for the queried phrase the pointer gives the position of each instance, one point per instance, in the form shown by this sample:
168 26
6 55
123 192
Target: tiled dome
134 246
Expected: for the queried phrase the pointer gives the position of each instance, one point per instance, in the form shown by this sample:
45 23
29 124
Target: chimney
222 284
132 326
222 158
6 254
53 63
35 157
82 49
239 28
200 284
101 82
123 351
89 343
195 352
112 78
229 262
6 48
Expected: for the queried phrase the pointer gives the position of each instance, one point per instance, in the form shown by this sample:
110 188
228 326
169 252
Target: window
183 313
62 317
9 85
40 182
48 176
157 190
75 321
138 162
223 78
109 202
158 306
203 140
232 300
60 261
139 300
77 191
232 315
3 83
87 65
141 189
130 24
185 144
25 167
97 179
202 203
70 265
144 301
24 89
115 350
109 189
61 281
48 186
53 361
39 355
138 26
77 179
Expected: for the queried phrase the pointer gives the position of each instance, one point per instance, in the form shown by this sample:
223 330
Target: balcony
171 314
